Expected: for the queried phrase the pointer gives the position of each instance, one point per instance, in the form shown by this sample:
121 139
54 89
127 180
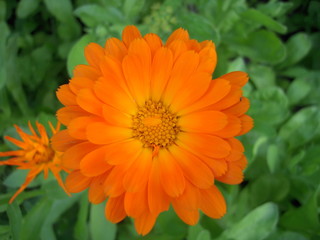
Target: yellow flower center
155 125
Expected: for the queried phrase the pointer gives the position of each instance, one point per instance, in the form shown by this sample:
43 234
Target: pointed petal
179 34
96 194
145 223
114 210
66 96
77 182
129 34
236 78
115 48
94 53
246 124
212 202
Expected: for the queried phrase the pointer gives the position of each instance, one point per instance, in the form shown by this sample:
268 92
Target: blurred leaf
92 14
255 16
100 227
81 230
171 224
53 190
15 220
298 47
194 231
237 65
273 158
286 236
26 8
304 218
17 178
269 105
3 42
298 90
204 235
4 229
3 8
262 46
61 9
132 8
35 219
262 76
76 54
301 127
275 8
256 225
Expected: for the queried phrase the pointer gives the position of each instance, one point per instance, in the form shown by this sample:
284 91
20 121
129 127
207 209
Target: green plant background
276 42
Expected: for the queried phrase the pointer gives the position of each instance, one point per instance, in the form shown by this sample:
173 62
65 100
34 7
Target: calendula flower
35 154
147 128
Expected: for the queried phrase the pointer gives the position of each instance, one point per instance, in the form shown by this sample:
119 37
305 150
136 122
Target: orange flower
148 127
35 154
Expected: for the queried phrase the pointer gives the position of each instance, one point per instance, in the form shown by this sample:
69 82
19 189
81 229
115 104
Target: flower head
147 127
35 154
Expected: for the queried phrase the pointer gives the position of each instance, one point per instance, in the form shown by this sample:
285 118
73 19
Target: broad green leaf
301 127
15 220
132 8
194 231
3 8
286 236
76 54
256 225
35 219
237 65
53 190
262 46
255 16
273 158
298 47
262 76
26 8
18 177
204 235
275 8
81 230
305 218
100 227
4 229
298 90
60 9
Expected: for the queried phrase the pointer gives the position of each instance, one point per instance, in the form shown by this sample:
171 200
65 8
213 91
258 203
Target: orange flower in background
35 154
147 128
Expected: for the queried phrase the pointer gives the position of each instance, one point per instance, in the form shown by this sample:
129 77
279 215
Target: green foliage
276 42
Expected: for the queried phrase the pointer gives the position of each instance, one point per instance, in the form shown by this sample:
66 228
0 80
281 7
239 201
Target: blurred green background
276 42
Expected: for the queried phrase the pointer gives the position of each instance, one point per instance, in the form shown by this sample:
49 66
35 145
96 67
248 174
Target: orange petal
94 163
113 95
246 124
88 101
193 45
233 97
72 156
103 133
179 34
76 182
86 71
194 88
154 42
66 114
77 127
136 204
114 210
145 223
233 175
171 175
62 141
231 129
203 122
237 150
116 117
177 47
130 33
113 185
217 166
78 83
193 168
239 108
96 193
218 89
190 217
136 68
183 67
158 200
138 173
189 200
236 78
94 53
208 59
212 202
66 96
115 48
160 72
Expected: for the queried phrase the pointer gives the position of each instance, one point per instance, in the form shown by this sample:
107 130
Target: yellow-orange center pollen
40 154
155 125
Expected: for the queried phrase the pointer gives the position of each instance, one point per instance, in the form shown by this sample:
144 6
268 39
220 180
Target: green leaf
3 9
3 44
76 55
60 9
262 46
237 65
15 220
18 177
132 8
256 225
81 230
26 8
4 229
305 218
204 235
35 219
255 16
100 227
273 158
301 127
298 90
298 47
91 14
262 76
